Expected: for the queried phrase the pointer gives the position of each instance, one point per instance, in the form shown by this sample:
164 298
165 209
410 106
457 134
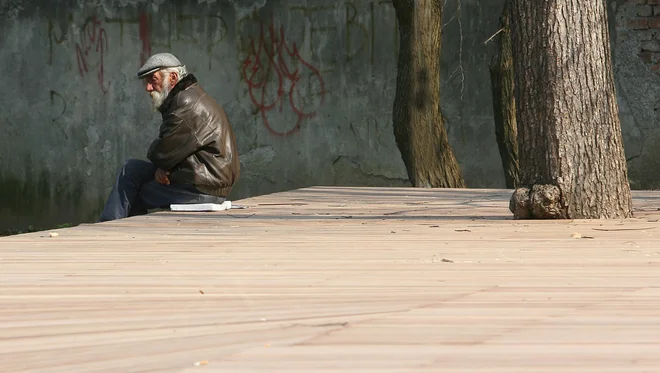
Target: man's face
154 82
158 85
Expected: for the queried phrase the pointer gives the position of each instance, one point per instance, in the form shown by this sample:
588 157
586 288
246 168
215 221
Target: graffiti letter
92 36
274 70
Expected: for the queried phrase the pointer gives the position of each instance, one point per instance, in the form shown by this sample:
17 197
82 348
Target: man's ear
174 78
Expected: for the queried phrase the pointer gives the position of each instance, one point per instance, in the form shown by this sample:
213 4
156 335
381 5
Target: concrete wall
73 111
637 71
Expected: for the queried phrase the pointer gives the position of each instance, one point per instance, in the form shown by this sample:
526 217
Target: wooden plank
326 279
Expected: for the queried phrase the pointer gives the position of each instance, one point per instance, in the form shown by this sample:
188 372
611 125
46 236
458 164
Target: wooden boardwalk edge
337 279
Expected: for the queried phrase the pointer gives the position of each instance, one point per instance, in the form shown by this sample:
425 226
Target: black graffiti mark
54 94
52 37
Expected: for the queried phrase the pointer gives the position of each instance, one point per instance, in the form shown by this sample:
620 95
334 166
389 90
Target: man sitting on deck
193 160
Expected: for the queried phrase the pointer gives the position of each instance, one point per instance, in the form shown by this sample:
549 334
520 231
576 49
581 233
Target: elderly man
193 160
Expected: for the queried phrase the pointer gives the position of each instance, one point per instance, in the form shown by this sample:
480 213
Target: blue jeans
136 191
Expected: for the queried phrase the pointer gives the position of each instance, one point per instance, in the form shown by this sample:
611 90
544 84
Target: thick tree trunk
418 126
504 102
568 126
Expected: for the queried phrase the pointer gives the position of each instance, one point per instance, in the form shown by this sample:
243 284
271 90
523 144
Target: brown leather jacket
196 142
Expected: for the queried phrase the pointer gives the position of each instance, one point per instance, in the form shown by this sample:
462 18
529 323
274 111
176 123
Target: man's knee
135 164
138 169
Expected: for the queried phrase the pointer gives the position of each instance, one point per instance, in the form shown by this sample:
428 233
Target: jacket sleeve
176 141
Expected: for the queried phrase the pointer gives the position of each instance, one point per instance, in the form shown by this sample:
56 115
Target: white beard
157 98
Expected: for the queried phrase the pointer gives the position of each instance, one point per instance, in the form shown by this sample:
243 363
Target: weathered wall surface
636 68
307 84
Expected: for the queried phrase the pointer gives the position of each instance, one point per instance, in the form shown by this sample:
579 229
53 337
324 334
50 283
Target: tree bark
418 125
568 125
504 102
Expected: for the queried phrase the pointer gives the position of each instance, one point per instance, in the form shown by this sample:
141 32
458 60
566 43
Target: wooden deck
337 280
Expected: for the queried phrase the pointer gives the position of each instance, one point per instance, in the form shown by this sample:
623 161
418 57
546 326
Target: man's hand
161 177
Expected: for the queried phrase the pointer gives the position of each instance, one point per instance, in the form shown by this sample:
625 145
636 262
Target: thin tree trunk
504 102
568 125
418 126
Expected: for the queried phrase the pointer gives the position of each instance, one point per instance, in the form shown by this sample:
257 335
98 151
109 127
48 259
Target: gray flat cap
156 62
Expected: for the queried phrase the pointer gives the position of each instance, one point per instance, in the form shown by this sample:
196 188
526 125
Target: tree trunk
568 125
504 102
418 126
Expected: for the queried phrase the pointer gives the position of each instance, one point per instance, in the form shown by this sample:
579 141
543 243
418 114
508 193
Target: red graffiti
145 38
92 37
273 81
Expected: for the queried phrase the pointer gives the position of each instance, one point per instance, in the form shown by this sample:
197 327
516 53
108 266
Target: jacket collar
184 83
